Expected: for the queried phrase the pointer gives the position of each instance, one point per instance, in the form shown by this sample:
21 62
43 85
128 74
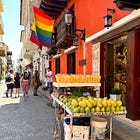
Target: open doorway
115 66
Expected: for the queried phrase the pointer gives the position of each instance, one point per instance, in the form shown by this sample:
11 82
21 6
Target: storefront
120 64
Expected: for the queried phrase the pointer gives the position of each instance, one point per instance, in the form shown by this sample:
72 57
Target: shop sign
82 62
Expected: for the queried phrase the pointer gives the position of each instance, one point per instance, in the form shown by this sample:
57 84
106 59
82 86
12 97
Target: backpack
8 79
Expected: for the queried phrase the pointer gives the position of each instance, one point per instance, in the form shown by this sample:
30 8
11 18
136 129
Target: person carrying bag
36 83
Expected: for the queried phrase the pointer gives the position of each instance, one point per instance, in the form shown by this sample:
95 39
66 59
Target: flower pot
115 97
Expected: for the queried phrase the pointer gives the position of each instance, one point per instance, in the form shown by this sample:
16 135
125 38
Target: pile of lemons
86 104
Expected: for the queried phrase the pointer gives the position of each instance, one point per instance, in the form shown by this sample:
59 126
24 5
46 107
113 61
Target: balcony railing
64 36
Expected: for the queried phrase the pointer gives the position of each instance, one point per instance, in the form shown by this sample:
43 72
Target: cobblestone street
25 118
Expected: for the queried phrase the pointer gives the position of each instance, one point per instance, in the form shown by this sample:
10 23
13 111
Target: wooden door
132 84
57 66
109 68
71 63
138 61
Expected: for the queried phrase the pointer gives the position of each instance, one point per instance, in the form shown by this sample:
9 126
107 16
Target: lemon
99 104
113 103
74 103
89 104
83 104
104 103
119 103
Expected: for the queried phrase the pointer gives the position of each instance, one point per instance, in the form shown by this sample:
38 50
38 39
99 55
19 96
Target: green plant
116 91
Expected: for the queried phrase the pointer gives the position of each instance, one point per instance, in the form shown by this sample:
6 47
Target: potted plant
116 94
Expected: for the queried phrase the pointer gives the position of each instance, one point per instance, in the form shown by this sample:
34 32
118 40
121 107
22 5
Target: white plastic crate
80 132
77 133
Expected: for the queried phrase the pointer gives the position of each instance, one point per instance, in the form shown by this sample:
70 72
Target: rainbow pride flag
42 28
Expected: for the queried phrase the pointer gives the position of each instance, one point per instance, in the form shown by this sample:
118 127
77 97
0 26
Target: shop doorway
115 66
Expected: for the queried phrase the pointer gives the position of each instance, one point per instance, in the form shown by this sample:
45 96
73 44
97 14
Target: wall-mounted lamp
108 18
78 32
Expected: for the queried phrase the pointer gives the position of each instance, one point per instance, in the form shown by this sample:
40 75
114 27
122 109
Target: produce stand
59 122
66 85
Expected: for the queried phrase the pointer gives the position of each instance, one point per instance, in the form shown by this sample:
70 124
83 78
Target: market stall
84 117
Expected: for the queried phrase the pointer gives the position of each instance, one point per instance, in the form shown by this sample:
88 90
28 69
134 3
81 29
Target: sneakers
35 95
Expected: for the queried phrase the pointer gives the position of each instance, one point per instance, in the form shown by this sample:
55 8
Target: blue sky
12 27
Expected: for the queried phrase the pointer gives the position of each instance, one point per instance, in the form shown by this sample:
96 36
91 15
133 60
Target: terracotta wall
88 58
63 63
89 15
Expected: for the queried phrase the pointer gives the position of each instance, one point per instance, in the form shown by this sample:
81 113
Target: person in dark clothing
17 84
36 82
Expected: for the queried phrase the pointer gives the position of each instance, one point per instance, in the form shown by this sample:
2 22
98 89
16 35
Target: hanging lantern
107 20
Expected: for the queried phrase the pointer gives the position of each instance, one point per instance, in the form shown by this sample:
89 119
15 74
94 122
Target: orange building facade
104 48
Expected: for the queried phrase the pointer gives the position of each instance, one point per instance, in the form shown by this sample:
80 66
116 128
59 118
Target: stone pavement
31 119
26 118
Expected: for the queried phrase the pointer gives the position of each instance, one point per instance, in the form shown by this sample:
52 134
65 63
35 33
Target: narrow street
25 118
31 119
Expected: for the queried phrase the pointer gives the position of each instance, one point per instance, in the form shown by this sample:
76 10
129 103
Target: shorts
25 85
10 86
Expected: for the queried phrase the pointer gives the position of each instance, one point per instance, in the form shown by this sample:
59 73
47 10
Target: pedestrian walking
17 84
25 82
49 80
9 82
36 82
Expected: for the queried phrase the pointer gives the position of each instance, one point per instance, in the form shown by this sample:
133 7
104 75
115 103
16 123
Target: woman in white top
49 80
10 82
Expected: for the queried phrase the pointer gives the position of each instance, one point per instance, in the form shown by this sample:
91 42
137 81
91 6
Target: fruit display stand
72 80
72 132
90 114
66 85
